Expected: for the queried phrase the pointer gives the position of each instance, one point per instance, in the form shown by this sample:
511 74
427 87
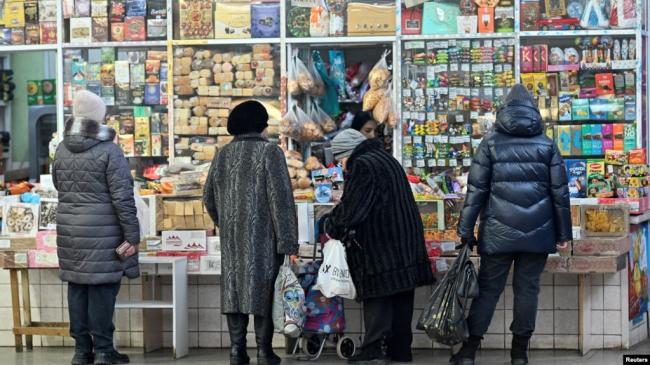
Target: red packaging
605 84
485 20
537 59
135 29
637 157
117 32
527 59
619 137
543 57
67 94
411 20
48 32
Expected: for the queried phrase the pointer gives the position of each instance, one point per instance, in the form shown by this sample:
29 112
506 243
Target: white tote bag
334 275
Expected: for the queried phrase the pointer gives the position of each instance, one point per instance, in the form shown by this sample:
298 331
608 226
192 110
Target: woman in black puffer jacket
518 185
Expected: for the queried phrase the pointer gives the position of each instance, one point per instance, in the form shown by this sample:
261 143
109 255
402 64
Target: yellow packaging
14 14
366 19
232 20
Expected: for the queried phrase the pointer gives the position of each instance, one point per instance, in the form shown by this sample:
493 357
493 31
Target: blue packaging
136 8
577 174
265 20
152 94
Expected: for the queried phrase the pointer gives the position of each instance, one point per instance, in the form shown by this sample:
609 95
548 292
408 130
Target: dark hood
82 134
363 148
519 118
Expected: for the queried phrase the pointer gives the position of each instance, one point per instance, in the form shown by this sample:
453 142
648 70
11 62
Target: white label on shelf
467 162
465 67
417 139
473 115
431 72
488 92
448 246
488 43
442 162
444 139
419 92
431 116
453 162
475 92
408 163
431 163
498 68
453 67
406 115
441 265
453 140
420 163
5 244
428 139
460 118
414 84
406 93
408 140
422 116
411 45
507 67
464 91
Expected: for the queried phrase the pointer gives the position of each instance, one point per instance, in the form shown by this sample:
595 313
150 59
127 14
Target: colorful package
577 174
265 20
232 21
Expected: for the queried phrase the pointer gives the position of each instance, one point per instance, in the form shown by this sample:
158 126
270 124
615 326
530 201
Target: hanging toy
594 17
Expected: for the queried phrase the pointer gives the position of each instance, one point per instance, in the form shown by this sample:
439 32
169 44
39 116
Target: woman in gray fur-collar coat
248 195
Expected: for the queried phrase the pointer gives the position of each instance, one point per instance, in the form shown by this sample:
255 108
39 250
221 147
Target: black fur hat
248 117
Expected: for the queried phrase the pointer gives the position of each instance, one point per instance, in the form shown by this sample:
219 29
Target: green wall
26 66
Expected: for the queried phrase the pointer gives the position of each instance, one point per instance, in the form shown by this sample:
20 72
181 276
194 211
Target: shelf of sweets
460 18
133 84
342 41
583 17
90 22
208 82
122 44
578 33
470 36
29 24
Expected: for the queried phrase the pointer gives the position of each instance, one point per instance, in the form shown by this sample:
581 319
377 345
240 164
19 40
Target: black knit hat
248 117
360 120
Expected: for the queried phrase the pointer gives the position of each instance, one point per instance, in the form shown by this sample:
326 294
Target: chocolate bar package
14 14
31 13
32 34
99 8
577 174
564 139
587 140
137 73
117 32
122 94
156 29
597 139
156 145
629 137
126 142
156 9
117 11
630 108
82 8
152 94
108 95
265 20
156 123
108 74
137 94
48 32
136 8
127 124
100 29
122 75
81 30
135 28
608 137
152 71
576 140
619 137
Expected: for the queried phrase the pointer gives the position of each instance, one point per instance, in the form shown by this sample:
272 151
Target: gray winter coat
248 195
96 210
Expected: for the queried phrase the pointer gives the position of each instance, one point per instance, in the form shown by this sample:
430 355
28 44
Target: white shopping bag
334 275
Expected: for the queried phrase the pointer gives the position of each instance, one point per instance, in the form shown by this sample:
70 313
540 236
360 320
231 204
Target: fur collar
84 127
366 146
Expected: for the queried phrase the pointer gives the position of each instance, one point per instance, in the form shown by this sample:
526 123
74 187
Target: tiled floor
56 356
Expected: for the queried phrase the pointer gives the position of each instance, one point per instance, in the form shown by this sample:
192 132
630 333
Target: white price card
420 163
467 162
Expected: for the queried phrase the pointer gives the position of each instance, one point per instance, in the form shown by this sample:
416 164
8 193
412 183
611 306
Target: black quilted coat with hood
517 184
96 211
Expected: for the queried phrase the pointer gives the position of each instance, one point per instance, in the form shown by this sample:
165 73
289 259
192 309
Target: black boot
374 354
83 358
467 353
110 358
237 324
264 339
519 351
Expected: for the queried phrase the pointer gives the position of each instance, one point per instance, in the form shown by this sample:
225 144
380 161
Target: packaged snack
232 20
577 174
298 22
319 22
135 28
81 30
265 20
605 220
100 30
638 156
195 19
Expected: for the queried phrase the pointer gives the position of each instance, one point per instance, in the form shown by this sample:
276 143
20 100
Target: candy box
195 19
157 9
616 109
98 9
42 258
136 8
580 109
80 30
504 19
596 264
48 32
596 139
152 94
598 109
34 92
134 29
605 83
265 20
608 136
630 108
485 20
605 220
529 13
565 106
100 30
587 141
601 246
629 138
615 157
576 140
211 265
564 139
156 28
232 21
527 64
640 170
619 137
467 24
31 12
556 263
118 32
14 14
368 19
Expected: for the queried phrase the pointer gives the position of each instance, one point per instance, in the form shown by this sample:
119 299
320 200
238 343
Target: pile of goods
28 22
300 181
116 20
577 14
205 19
208 84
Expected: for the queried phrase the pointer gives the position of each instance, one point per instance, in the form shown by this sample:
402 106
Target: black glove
471 241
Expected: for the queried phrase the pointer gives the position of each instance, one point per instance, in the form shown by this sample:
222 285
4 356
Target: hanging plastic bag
443 319
309 129
290 125
380 75
319 85
371 98
326 122
304 77
292 84
288 311
334 275
143 213
330 100
382 109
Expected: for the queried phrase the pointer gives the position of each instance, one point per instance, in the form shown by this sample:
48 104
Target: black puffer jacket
96 210
378 206
518 184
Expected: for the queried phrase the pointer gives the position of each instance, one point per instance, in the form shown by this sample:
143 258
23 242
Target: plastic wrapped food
371 98
380 74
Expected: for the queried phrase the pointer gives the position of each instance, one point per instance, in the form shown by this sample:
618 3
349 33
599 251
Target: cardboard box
597 264
42 259
210 265
601 246
46 240
184 241
193 260
14 259
556 264
214 245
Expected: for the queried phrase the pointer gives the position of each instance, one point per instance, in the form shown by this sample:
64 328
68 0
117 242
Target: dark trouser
492 278
91 309
390 318
237 326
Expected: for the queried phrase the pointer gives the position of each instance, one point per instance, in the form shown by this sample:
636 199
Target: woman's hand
562 245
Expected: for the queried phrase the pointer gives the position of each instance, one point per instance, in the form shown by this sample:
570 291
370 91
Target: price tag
406 115
460 118
408 163
431 72
422 116
467 162
465 67
420 163
464 139
431 163
4 244
431 116
408 140
476 92
453 67
453 140
442 162
407 93
428 139
488 43
453 163
488 92
448 246
417 139
473 115
419 93
507 67
498 68
437 139
444 139
441 265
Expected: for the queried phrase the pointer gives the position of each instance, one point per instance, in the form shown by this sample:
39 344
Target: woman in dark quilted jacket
96 214
518 186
